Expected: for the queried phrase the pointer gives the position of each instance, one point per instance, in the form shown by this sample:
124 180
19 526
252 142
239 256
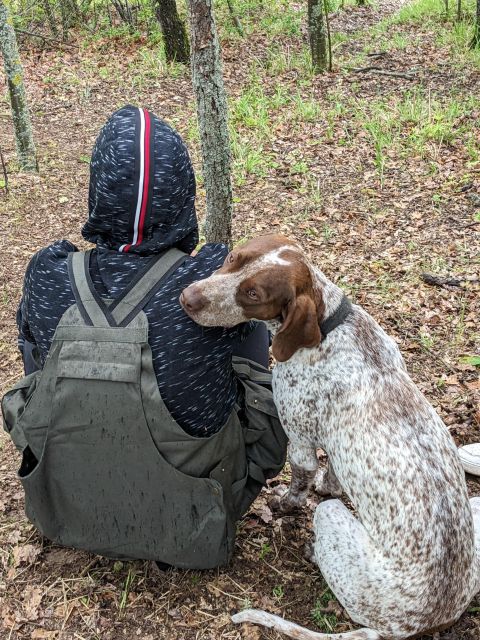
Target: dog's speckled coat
409 563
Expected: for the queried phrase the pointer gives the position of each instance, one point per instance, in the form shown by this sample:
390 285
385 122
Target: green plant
265 550
126 590
324 620
475 360
278 592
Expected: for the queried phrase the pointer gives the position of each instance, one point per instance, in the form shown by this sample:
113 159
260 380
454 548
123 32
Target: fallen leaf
43 634
31 602
26 554
474 385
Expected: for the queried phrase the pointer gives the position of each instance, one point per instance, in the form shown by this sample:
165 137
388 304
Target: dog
409 563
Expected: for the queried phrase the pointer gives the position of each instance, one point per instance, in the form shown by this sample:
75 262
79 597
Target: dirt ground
374 215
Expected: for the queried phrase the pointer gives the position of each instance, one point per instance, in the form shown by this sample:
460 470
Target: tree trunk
476 33
317 35
14 74
213 121
174 32
47 8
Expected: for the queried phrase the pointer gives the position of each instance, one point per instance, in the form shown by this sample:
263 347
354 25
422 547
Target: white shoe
470 458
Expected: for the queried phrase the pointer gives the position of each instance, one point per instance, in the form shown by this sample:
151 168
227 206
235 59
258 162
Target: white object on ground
470 458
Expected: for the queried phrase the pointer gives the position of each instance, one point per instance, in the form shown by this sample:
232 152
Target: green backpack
116 475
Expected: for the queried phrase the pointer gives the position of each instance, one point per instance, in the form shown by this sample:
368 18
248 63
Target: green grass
326 622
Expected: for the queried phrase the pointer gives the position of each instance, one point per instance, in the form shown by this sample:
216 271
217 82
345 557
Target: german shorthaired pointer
409 563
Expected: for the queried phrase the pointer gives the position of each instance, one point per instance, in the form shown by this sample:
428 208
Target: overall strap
91 306
141 289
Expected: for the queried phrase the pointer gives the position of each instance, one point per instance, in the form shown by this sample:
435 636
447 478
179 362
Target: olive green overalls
116 474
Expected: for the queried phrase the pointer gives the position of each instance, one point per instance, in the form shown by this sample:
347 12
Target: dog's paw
326 484
284 504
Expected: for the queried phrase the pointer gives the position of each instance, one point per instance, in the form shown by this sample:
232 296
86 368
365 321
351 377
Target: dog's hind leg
360 576
475 505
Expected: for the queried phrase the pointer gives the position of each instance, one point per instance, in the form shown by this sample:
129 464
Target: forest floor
378 176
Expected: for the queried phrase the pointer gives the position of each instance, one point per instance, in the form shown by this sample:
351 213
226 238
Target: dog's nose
193 300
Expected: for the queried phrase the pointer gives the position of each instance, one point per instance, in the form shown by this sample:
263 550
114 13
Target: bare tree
317 35
476 33
14 74
213 121
173 30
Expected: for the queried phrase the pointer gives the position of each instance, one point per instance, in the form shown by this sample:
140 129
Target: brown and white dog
409 564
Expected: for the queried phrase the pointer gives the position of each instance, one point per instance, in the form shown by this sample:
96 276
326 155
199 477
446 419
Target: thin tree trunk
476 33
317 35
70 15
50 17
14 74
329 36
459 10
174 33
235 18
65 19
213 121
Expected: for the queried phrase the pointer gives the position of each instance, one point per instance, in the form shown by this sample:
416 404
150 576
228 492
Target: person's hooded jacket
141 202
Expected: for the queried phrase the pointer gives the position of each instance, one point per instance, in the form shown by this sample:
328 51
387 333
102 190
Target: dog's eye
251 293
230 257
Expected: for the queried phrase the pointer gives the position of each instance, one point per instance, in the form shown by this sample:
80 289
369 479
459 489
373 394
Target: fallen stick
384 72
46 38
5 175
438 281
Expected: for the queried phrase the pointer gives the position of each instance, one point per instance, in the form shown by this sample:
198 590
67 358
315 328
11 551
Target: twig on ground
89 566
377 54
384 72
46 38
438 281
4 169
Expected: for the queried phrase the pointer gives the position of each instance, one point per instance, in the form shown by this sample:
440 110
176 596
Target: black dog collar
340 314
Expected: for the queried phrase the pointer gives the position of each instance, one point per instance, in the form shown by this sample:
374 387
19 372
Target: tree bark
174 33
317 35
18 99
476 33
212 113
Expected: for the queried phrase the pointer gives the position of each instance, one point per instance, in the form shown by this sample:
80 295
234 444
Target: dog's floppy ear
299 328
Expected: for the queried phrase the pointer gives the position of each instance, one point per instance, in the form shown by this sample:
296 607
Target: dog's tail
293 630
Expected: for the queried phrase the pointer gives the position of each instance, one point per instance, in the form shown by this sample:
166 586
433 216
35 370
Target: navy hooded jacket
141 202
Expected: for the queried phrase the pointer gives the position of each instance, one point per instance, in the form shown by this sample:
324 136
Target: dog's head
268 278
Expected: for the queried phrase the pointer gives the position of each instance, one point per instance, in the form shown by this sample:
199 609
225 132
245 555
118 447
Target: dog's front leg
303 463
326 482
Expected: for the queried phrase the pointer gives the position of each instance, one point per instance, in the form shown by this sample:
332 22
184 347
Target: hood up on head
142 187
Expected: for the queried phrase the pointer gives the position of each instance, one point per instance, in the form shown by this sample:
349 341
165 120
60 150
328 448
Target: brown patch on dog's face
266 279
255 249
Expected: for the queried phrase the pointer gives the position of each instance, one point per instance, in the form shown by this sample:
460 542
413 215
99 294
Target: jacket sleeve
38 263
22 311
